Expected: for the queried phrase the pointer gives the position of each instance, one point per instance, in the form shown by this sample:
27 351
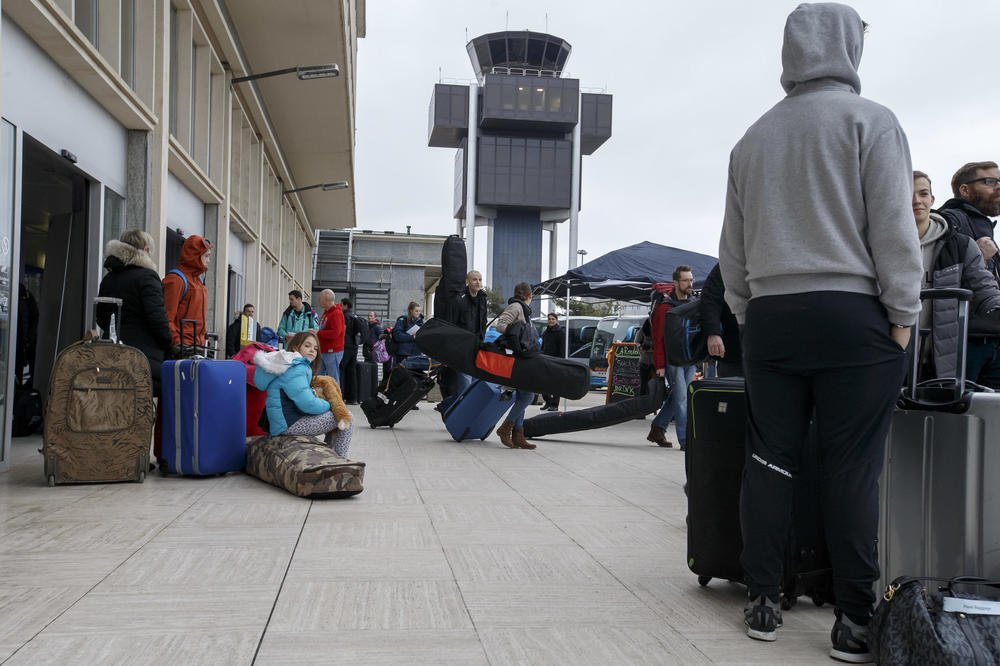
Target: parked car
581 331
609 331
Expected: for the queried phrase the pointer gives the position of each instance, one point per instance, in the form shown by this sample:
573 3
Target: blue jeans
521 401
331 364
675 406
982 364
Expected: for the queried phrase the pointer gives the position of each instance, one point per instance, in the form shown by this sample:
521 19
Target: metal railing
525 71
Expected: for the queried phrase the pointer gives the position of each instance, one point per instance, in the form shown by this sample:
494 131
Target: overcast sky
687 79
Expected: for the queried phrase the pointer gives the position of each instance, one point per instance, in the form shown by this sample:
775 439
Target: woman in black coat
132 277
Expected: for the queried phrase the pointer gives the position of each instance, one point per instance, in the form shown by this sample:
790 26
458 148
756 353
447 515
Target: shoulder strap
184 280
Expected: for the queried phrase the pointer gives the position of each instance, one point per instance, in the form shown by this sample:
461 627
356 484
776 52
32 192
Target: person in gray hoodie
950 259
822 270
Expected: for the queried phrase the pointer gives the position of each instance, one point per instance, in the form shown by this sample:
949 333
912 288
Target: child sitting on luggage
293 407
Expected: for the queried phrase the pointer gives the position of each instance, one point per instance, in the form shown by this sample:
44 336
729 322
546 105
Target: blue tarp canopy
628 274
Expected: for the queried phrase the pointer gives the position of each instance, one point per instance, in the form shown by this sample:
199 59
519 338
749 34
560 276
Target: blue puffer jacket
286 377
406 344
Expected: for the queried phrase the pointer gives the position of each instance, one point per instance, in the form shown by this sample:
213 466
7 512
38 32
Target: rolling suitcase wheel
142 477
704 580
52 481
787 602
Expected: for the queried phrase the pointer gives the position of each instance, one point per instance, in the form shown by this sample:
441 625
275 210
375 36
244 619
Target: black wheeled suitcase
714 459
367 380
403 389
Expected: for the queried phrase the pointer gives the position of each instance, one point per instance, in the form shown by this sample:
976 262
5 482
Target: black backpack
683 337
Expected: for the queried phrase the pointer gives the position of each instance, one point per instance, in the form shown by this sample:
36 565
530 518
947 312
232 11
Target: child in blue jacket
293 407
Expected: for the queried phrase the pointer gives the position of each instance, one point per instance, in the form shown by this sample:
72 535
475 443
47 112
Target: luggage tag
970 606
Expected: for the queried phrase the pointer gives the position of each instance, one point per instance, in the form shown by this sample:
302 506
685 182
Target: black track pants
827 354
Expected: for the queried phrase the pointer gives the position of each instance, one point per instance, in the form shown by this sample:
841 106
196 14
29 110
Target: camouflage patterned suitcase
99 413
303 466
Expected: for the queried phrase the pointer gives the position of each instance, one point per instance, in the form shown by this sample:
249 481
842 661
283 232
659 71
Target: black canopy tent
627 274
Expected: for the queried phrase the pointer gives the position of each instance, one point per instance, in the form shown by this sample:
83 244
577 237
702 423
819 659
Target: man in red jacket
331 333
184 294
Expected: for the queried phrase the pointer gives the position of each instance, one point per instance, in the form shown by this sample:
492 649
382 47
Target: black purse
936 625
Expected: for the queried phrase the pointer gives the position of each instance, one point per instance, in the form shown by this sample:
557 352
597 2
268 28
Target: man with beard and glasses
976 187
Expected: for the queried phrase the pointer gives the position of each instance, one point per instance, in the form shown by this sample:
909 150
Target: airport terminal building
153 114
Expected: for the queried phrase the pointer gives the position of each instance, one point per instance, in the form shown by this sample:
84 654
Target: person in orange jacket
185 295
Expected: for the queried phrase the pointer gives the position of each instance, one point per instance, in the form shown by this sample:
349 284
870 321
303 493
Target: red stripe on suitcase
500 365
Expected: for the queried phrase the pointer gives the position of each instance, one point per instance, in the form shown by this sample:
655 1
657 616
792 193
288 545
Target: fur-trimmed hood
276 362
122 255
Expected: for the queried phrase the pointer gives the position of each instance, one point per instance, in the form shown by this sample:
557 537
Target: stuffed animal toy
331 393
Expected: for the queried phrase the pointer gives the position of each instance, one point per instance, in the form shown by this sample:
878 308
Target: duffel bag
683 337
925 621
463 351
304 466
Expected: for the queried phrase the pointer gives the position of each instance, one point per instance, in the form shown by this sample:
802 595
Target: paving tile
321 606
584 645
384 563
445 647
89 536
58 569
526 564
535 605
121 611
792 648
233 514
189 648
246 536
495 496
320 536
24 611
175 566
478 481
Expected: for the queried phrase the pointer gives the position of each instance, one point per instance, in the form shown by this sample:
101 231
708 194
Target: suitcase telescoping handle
964 296
115 321
211 348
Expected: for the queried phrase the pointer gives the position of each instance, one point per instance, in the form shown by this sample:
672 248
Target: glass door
8 281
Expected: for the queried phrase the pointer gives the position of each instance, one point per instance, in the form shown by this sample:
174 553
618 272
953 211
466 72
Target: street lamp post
326 187
303 72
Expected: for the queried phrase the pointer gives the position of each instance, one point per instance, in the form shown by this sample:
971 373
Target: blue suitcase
477 410
204 416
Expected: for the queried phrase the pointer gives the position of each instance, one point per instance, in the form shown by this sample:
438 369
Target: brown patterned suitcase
99 413
304 466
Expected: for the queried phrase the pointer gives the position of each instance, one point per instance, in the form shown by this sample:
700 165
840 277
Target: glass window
173 70
7 166
85 17
538 98
507 90
551 55
515 49
523 97
561 60
555 100
536 49
128 42
114 217
498 51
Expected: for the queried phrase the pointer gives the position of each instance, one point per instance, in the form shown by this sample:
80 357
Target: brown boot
503 432
656 436
519 440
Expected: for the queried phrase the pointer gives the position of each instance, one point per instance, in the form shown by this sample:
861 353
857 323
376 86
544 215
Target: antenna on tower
507 22
466 34
440 75
546 22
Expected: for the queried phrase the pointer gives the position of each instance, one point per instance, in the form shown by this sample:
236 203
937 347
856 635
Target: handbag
914 624
379 351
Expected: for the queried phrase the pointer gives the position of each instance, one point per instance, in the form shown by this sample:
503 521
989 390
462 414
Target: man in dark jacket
553 344
132 277
976 187
718 322
355 333
950 259
235 330
469 309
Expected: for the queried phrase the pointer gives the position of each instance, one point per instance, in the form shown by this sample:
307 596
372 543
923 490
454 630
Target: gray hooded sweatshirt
820 187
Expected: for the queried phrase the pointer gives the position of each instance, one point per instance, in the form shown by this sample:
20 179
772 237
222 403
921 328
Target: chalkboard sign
623 372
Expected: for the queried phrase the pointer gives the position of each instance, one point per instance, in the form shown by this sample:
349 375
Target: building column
471 161
138 179
159 144
215 310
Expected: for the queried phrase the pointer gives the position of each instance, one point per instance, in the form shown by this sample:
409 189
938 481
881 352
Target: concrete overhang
313 119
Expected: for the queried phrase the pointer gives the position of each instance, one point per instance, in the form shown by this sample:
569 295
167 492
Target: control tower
517 169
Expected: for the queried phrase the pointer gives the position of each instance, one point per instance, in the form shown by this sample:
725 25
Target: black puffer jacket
554 340
133 279
470 311
968 220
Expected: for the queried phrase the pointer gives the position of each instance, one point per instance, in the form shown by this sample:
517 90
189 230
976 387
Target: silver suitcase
939 494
